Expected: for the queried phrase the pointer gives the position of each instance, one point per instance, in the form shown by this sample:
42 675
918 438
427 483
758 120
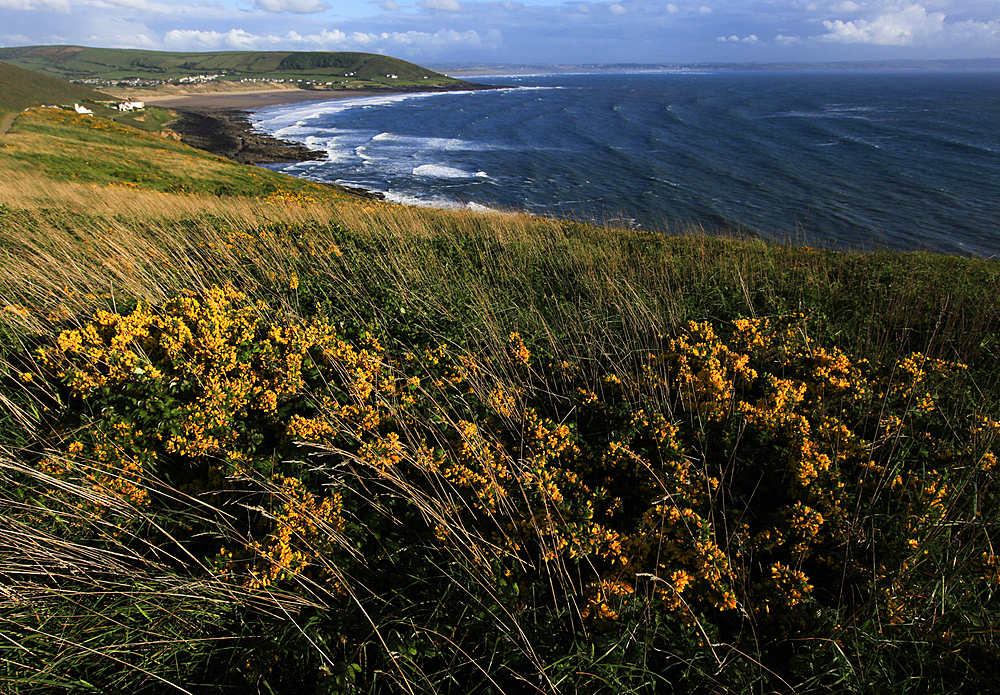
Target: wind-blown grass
291 442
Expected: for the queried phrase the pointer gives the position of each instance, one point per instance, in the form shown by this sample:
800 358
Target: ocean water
862 160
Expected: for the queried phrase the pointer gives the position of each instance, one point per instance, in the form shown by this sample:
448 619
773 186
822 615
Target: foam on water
445 172
422 201
440 171
276 118
843 159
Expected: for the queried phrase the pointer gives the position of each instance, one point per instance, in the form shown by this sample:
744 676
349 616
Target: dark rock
228 133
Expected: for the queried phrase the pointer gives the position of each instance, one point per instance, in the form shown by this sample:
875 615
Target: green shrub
742 509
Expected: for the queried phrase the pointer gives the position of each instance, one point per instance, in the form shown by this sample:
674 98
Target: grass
258 436
64 146
110 65
21 89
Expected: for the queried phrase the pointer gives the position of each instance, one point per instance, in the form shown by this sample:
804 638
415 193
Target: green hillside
21 89
131 67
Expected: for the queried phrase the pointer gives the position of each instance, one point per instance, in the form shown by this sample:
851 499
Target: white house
82 109
131 105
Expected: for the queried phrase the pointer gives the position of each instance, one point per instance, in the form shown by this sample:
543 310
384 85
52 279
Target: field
106 67
259 436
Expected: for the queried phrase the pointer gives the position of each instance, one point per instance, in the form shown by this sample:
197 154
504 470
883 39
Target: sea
860 160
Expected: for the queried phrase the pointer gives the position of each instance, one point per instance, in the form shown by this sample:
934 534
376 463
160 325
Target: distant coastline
461 70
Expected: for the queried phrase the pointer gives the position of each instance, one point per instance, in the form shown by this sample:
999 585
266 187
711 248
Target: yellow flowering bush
209 387
734 475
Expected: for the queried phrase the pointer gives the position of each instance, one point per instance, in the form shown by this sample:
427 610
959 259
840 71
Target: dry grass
572 286
416 278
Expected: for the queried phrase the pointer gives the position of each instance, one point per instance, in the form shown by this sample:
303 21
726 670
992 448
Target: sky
525 32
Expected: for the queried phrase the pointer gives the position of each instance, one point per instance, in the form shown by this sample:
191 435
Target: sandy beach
247 101
250 100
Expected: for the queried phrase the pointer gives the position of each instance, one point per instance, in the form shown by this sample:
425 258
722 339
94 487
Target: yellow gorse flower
656 493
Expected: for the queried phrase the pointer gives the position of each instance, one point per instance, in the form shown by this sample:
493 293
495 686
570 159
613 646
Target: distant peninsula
132 71
478 69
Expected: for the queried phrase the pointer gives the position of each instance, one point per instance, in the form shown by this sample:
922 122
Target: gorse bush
259 437
741 504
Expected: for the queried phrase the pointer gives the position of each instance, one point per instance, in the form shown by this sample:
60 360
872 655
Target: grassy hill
258 436
21 88
109 66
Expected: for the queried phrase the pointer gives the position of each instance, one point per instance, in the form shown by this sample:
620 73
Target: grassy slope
63 146
21 89
95 215
877 304
77 63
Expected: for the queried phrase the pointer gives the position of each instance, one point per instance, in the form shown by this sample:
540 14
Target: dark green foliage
312 61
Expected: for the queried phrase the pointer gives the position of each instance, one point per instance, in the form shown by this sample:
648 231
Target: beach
249 100
218 97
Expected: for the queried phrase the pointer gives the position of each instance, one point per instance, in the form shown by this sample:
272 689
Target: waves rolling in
848 160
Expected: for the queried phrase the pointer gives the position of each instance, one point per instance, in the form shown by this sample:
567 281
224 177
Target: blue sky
527 31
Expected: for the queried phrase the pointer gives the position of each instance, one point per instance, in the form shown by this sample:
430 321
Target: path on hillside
7 122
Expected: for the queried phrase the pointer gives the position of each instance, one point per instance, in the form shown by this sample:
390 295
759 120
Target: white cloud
445 38
512 6
752 38
15 40
389 6
673 9
57 5
333 40
133 4
705 9
787 40
325 40
891 29
193 38
970 30
136 41
441 5
616 9
293 6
